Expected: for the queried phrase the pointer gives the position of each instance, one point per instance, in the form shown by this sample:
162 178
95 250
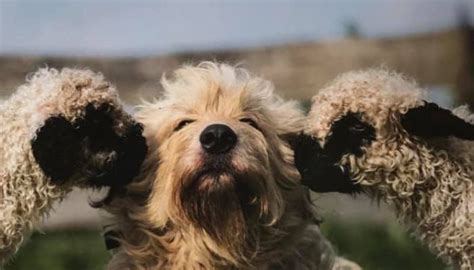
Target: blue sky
120 28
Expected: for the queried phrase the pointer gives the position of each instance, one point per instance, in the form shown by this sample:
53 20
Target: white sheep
60 130
373 132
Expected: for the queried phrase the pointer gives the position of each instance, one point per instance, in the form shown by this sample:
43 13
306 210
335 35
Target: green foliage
378 246
64 250
373 246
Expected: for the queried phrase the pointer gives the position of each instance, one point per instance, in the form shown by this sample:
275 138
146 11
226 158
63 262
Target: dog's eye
250 121
182 124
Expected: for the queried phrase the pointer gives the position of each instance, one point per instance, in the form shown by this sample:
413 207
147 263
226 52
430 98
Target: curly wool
429 182
26 194
154 232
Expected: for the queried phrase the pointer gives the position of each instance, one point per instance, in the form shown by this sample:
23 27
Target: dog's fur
59 130
242 210
379 136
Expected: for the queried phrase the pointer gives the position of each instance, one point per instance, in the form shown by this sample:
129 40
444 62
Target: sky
146 27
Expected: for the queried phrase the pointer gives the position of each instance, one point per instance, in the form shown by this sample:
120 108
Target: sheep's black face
319 167
348 135
90 149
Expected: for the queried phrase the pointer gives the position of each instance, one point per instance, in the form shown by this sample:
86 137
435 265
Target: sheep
373 132
61 129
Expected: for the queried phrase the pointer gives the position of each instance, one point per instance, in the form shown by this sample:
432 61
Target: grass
377 246
62 250
373 246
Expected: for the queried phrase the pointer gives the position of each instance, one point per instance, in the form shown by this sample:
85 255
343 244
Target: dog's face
220 138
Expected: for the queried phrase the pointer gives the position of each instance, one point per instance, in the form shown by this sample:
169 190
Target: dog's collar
110 239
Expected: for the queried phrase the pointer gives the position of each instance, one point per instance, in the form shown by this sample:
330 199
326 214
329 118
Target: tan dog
219 189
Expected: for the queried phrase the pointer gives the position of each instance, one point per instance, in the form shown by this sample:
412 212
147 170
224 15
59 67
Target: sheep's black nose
218 139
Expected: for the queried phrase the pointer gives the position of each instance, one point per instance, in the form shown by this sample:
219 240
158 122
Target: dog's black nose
218 139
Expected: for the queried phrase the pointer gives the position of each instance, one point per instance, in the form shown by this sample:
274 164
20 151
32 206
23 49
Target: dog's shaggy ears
373 132
59 130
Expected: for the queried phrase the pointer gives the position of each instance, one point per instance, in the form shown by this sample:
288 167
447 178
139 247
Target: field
374 246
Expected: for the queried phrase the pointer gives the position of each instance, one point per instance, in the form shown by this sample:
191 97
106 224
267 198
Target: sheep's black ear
56 148
132 153
317 169
431 121
307 151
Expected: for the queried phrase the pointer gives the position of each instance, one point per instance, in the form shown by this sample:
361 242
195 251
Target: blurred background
298 44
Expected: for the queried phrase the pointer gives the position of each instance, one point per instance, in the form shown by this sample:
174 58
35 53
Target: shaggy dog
59 130
219 189
372 132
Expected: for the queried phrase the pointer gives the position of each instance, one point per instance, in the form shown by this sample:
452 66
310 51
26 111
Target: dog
219 189
373 132
61 129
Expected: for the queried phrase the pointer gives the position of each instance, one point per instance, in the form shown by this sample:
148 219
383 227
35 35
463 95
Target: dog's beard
224 202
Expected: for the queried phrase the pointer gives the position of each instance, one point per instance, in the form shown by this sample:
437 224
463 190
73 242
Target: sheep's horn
431 121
